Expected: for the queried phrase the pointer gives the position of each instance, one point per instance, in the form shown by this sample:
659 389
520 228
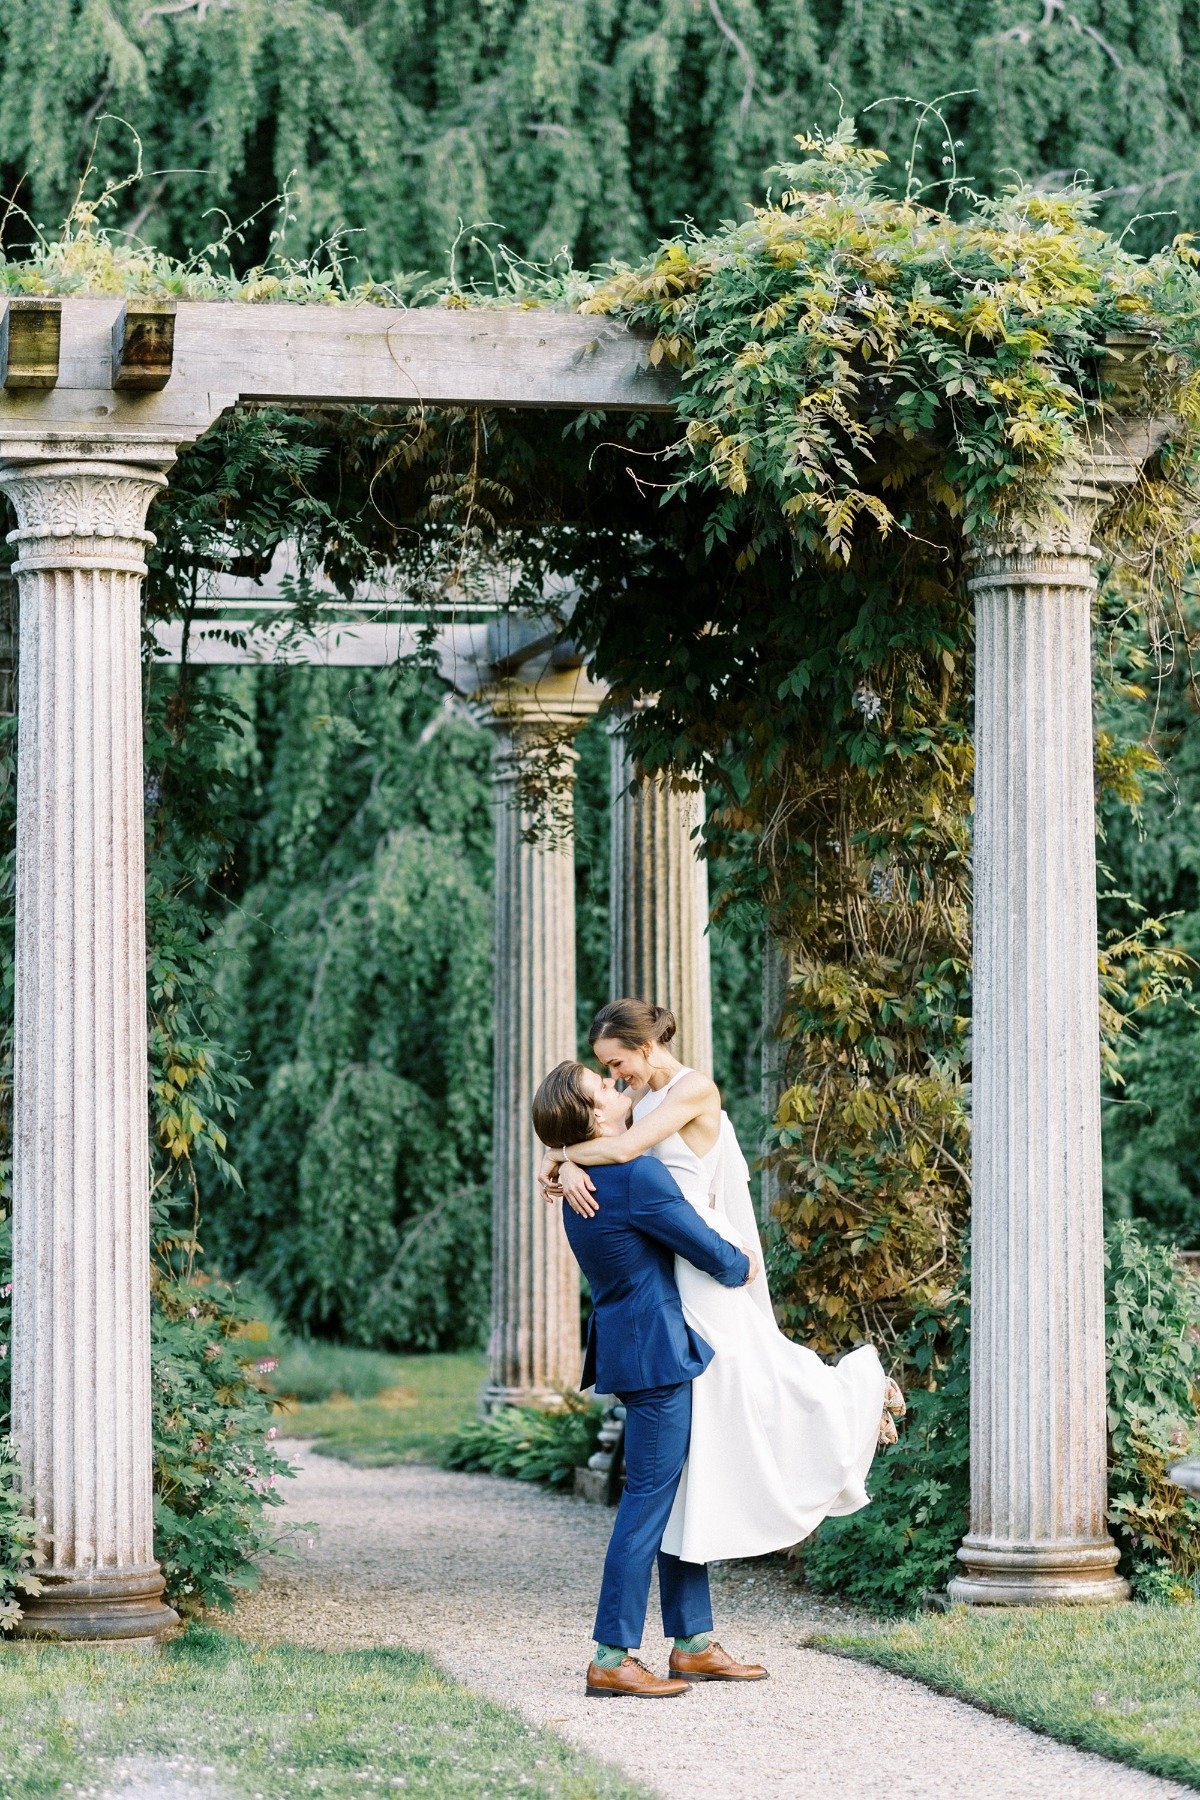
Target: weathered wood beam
143 343
29 343
289 355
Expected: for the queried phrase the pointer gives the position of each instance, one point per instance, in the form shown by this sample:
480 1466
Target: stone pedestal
81 1280
534 1347
1038 1530
658 904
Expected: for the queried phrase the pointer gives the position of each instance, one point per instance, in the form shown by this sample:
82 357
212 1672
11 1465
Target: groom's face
610 1107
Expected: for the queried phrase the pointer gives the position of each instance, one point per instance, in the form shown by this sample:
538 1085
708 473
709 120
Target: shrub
903 1546
17 1556
216 1470
528 1444
16 1527
311 1370
1153 1324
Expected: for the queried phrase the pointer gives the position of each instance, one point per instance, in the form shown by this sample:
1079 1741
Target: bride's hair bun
632 1023
665 1024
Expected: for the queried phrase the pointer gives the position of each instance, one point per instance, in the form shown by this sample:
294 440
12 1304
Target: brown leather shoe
713 1664
631 1680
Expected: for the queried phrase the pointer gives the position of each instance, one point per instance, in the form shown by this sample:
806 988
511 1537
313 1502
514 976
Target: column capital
550 705
81 513
1057 523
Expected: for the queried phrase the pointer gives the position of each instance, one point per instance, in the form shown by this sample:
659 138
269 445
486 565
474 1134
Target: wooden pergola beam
304 356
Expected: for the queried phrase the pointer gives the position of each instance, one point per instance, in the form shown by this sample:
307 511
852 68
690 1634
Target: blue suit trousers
658 1426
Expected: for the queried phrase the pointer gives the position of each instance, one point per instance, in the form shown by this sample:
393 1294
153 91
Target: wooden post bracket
30 334
143 346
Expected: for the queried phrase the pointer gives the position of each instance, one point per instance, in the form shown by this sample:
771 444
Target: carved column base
1081 1572
122 1608
545 1399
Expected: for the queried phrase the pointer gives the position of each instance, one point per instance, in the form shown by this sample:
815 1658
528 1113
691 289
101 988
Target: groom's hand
755 1267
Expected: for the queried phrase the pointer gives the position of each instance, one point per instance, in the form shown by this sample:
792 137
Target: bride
780 1439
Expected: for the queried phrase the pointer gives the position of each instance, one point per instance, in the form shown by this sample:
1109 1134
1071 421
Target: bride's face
623 1064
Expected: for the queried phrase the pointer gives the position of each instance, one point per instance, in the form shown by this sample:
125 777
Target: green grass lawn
377 1409
216 1715
1123 1680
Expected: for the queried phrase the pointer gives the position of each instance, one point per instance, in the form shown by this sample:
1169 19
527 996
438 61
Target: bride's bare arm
682 1106
564 1172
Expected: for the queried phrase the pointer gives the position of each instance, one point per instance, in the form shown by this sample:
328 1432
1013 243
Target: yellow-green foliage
867 383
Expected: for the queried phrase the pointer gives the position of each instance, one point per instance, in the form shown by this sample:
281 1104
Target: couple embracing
737 1441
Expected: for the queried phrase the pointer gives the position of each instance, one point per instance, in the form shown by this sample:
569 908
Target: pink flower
6 1290
267 1363
3 1351
272 1433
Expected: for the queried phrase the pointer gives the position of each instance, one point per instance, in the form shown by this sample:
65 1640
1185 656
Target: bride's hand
547 1178
578 1190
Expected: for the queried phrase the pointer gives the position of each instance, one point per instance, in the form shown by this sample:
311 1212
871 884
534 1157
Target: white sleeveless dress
780 1439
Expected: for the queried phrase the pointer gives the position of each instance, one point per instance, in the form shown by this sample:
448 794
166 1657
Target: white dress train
780 1439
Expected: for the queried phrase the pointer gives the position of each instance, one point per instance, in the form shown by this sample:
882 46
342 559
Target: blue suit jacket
638 1336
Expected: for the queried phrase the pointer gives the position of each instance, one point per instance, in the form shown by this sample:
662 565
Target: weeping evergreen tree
354 938
357 981
590 124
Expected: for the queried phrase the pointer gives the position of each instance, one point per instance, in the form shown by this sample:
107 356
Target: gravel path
498 1582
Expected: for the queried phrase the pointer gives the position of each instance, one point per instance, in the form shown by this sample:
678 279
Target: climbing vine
866 381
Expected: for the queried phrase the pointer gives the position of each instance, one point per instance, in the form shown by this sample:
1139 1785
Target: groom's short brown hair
562 1112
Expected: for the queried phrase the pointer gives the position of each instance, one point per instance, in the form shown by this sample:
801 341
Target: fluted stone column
8 645
658 903
81 1279
534 1347
1038 1530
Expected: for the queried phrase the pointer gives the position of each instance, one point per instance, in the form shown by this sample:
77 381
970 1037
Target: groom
641 1348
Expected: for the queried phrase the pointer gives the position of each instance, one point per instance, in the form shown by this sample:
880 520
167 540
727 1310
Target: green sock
692 1646
608 1656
